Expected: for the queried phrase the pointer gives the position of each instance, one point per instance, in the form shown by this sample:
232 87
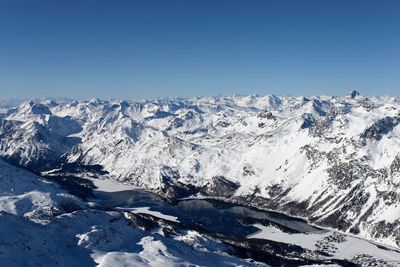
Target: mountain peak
34 108
353 94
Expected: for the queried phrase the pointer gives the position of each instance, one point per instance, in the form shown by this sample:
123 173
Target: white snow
146 210
107 185
348 249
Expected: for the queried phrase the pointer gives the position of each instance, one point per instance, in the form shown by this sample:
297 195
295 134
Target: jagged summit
353 94
50 103
34 108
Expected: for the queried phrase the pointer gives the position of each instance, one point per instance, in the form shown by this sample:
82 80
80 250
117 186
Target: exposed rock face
381 127
353 94
308 121
219 186
170 188
265 115
395 166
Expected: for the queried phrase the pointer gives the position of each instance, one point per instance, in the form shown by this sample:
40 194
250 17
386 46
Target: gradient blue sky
140 49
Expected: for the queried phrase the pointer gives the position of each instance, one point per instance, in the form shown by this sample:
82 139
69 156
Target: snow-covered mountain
332 160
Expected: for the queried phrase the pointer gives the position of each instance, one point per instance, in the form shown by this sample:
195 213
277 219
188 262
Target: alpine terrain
206 181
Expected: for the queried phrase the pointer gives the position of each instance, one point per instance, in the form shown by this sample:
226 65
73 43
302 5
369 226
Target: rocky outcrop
395 165
308 121
381 127
219 186
353 94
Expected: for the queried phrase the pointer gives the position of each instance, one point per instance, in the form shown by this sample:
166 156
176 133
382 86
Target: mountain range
332 160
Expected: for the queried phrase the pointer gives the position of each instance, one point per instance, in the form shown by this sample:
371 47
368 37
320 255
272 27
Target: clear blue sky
137 49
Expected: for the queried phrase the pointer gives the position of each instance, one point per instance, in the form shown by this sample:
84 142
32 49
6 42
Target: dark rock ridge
219 186
353 94
381 127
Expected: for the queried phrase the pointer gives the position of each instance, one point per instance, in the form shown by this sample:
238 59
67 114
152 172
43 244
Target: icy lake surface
240 222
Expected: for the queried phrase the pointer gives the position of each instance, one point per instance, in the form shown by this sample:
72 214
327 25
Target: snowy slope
333 160
41 225
94 238
32 197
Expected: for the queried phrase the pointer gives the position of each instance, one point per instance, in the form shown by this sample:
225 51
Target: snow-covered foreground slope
41 225
333 160
27 195
96 238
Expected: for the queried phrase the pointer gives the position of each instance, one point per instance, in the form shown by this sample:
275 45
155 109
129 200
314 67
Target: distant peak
35 108
50 103
28 104
353 94
95 101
